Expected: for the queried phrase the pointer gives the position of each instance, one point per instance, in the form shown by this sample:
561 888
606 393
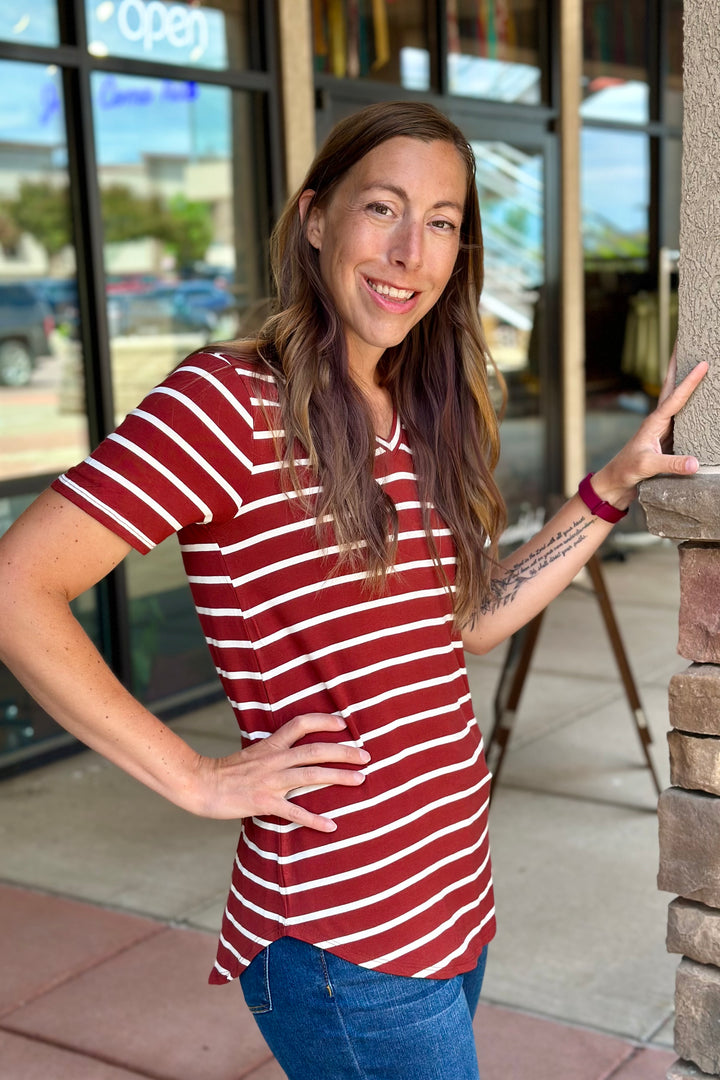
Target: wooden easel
516 667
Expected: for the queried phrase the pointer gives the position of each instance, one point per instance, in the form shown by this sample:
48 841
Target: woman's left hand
647 453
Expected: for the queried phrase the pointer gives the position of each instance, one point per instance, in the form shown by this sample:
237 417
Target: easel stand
516 667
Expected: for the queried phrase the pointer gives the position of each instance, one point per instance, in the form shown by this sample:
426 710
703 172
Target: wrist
603 499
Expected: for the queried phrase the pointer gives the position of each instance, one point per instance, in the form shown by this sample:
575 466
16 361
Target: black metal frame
77 66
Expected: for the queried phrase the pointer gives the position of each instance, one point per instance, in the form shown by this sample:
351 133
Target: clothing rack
517 665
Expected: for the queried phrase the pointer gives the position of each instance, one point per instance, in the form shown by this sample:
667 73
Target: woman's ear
311 218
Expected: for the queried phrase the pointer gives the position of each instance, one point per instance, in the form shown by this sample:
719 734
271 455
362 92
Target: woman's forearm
525 582
48 651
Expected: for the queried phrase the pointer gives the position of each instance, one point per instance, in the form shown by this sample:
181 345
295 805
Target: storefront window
206 34
185 230
510 187
615 61
29 22
386 40
493 49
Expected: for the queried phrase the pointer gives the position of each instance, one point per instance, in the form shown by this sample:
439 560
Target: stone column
689 510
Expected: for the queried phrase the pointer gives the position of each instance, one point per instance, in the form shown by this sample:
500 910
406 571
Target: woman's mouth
390 291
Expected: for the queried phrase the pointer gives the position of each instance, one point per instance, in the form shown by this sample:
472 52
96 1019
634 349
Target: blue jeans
327 1019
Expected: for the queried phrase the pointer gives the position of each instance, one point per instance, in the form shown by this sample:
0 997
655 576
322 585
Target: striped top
403 885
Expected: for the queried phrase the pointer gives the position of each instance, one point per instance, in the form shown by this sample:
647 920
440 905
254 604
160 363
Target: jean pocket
255 984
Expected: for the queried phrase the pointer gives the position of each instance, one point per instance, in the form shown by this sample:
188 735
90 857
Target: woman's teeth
391 291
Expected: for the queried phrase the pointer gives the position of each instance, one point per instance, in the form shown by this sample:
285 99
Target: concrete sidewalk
112 898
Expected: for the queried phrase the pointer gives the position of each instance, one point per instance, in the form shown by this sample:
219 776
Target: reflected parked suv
25 325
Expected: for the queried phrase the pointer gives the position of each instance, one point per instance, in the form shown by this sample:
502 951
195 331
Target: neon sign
151 22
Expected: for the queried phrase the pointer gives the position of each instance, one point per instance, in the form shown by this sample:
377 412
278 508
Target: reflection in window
206 34
615 64
382 40
493 49
184 221
29 22
41 428
615 198
621 312
185 226
510 188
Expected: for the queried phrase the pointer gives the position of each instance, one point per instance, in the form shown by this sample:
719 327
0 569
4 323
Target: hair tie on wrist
596 505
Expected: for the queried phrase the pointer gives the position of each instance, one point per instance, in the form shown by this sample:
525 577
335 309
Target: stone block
683 507
697 1014
685 1070
694 762
693 930
699 618
689 824
694 699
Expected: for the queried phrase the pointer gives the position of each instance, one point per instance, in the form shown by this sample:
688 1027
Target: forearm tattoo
505 587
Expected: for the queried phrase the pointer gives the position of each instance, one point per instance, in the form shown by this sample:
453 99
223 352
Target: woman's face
388 241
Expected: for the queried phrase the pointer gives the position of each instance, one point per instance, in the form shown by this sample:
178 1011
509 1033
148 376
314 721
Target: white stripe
190 450
446 709
232 400
402 755
128 485
318 620
426 972
192 496
203 417
340 646
348 676
382 830
379 864
111 513
404 916
269 500
367 901
432 935
340 579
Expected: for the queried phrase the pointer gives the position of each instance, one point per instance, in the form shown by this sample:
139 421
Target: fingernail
332 825
341 722
691 465
360 777
364 755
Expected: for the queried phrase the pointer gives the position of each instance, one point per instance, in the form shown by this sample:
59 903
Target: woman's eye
380 208
444 226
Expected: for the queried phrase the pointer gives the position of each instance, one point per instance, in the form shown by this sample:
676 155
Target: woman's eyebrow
402 194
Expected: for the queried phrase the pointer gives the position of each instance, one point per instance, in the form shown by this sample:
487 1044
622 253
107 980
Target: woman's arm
52 554
526 581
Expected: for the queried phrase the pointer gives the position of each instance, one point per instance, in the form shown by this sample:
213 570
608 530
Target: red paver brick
151 1010
47 939
23 1059
513 1045
646 1064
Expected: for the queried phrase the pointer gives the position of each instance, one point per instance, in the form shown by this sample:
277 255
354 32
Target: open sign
150 21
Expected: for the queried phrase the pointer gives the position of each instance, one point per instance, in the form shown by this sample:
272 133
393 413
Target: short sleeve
182 457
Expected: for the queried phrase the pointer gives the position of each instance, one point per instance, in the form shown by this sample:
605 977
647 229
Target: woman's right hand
255 781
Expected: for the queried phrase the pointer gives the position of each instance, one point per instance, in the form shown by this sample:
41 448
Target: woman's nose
407 247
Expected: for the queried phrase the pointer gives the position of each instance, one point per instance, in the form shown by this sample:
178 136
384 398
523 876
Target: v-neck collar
391 442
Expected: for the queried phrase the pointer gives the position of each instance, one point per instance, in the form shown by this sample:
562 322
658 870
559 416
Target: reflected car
196 294
26 321
150 313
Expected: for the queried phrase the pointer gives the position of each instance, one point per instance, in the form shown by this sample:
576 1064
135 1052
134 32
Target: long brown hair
437 378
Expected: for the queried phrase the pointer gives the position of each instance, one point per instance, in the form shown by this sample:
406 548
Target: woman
331 486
